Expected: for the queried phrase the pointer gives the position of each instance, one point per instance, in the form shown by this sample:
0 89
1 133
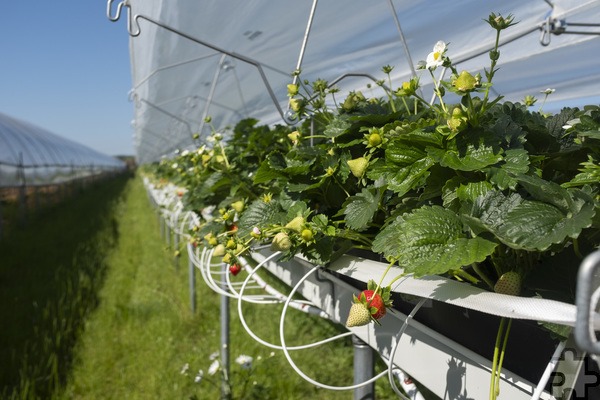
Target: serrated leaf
472 190
260 214
266 174
337 127
547 192
401 179
469 152
531 225
361 208
431 241
516 161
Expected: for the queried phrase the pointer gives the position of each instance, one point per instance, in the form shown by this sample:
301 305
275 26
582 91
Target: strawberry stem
495 359
482 275
384 274
502 352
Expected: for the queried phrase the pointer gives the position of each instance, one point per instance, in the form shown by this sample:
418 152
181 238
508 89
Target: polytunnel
30 155
232 60
454 191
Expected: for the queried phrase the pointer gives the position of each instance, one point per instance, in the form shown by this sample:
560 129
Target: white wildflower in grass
199 376
214 355
548 91
185 153
214 367
272 354
175 166
244 361
185 368
436 57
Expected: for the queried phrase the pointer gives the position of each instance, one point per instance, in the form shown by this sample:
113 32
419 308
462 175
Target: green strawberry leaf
431 241
516 161
530 224
361 208
337 127
472 190
260 214
466 154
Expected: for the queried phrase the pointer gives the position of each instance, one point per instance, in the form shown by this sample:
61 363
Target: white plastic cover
31 155
194 58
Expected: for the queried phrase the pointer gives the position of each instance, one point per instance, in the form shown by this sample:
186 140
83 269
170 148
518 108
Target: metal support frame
364 369
225 387
587 300
134 20
192 284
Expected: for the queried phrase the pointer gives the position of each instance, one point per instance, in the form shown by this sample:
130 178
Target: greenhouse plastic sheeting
30 155
233 59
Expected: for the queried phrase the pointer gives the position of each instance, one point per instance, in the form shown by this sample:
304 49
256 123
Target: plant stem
495 359
576 249
438 93
482 275
461 273
502 352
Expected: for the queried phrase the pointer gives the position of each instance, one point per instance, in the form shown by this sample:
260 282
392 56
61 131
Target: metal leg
192 279
364 368
225 388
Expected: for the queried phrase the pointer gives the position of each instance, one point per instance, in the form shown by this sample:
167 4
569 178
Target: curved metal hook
130 20
117 14
546 33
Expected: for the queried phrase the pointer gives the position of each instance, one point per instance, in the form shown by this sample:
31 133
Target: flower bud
292 89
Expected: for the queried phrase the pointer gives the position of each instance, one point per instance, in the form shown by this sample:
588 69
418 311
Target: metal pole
225 387
192 279
363 369
176 246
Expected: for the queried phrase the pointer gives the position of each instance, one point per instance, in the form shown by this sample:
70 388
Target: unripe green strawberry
213 241
509 283
238 206
297 224
374 139
231 244
358 166
227 258
359 315
307 235
219 250
281 242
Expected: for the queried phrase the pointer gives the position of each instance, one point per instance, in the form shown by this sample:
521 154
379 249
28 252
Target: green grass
135 332
50 273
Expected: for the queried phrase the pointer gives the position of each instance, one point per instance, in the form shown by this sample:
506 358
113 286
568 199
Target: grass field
98 310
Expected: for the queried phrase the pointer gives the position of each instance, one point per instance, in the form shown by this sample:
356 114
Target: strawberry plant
471 187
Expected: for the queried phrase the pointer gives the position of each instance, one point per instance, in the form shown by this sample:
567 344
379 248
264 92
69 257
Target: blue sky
65 68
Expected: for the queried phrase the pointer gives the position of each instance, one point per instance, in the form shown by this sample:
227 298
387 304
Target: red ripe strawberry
370 305
375 303
235 269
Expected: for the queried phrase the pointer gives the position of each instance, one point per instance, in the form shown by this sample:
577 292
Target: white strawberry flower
199 376
185 153
214 367
185 368
436 57
548 91
244 361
